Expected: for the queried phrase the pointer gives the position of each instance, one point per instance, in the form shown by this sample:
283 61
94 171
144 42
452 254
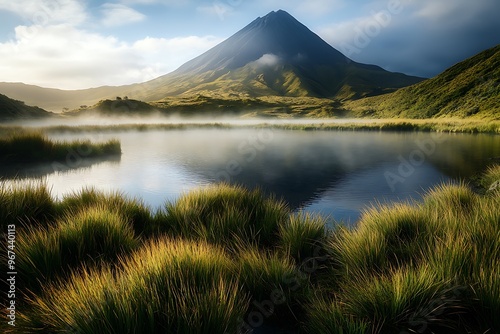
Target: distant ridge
470 88
12 110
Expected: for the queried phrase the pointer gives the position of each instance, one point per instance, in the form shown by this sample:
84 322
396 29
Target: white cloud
218 9
117 15
45 12
268 59
62 56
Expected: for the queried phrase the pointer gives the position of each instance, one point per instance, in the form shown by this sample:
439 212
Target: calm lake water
337 174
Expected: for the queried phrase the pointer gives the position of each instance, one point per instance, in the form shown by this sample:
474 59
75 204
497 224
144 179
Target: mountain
12 109
275 55
469 88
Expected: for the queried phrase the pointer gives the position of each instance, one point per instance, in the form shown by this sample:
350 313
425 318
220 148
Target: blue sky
72 44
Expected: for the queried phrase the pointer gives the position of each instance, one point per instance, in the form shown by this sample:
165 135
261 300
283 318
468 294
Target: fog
157 118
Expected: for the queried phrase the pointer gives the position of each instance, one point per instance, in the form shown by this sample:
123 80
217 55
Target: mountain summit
277 36
277 55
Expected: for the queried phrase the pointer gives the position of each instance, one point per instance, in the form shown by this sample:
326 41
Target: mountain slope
12 109
277 55
469 88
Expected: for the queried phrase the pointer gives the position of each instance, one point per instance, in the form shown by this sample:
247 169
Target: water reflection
335 173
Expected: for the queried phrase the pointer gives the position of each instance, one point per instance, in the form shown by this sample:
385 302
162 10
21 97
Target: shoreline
389 125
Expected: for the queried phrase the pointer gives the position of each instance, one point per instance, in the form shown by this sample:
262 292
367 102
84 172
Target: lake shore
305 124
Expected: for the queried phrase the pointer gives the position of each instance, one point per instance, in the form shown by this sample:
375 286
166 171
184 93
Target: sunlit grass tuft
134 211
23 202
302 235
225 215
169 286
93 236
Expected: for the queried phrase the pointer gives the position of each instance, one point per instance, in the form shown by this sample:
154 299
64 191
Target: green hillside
469 88
116 107
12 109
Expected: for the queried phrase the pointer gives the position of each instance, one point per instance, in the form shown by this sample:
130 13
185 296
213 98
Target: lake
335 173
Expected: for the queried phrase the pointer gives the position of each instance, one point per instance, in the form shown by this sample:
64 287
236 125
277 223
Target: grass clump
225 259
302 235
25 202
425 267
169 286
225 215
93 236
30 147
491 179
134 211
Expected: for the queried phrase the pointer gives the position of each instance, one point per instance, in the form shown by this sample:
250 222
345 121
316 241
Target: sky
75 44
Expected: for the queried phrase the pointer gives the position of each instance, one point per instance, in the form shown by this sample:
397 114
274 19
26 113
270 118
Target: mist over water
157 118
338 174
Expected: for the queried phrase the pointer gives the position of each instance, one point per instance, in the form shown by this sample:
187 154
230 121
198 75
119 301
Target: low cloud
268 59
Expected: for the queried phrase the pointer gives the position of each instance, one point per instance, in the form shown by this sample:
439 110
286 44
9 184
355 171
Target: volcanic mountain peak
277 33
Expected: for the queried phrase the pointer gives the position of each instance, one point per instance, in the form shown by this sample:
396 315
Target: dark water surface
337 174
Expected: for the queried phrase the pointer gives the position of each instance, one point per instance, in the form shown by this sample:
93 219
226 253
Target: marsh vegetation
224 259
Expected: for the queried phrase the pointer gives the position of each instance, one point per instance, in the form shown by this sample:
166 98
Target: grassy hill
12 109
469 88
116 107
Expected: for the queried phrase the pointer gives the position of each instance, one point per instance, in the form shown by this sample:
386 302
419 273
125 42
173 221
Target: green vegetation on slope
432 266
12 109
29 147
469 88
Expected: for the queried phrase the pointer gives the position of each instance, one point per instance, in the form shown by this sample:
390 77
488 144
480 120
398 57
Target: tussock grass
491 179
302 235
93 236
133 210
225 215
417 268
25 202
100 263
169 286
34 146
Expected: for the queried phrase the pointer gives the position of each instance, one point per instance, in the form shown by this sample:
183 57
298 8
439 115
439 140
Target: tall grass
93 236
225 215
418 268
100 263
25 202
491 179
133 210
302 236
169 286
29 147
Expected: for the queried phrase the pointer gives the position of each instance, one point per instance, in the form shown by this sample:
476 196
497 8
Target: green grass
469 89
169 286
94 236
225 215
134 211
221 258
491 180
29 147
25 202
407 267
